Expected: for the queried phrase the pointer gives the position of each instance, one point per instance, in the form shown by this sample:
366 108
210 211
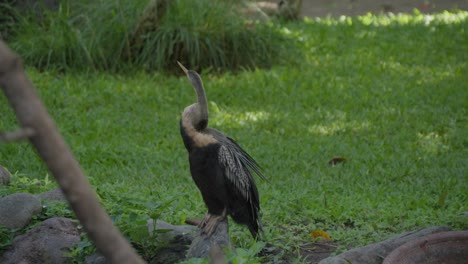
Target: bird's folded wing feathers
246 158
237 165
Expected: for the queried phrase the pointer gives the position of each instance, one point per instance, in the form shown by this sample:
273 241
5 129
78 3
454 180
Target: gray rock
173 241
178 242
375 253
53 195
166 231
217 255
202 244
16 210
47 243
4 176
95 258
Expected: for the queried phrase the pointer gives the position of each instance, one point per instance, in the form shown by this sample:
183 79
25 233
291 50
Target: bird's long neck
200 119
202 105
196 115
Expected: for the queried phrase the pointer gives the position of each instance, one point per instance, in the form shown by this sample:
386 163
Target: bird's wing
238 165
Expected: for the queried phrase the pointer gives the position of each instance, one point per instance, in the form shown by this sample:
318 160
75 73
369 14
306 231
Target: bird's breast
197 138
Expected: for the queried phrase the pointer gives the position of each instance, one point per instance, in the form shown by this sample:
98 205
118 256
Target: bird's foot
210 222
204 221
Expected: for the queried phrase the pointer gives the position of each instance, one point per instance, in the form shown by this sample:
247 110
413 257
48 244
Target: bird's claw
210 226
209 223
204 220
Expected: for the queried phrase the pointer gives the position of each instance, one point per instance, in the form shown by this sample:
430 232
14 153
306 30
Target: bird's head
192 76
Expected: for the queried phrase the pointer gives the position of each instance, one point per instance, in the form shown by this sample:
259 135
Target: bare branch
53 150
18 135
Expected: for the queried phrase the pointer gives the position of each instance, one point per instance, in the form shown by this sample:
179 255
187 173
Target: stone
4 176
16 210
95 258
375 253
202 244
174 240
217 255
167 231
444 247
47 243
53 195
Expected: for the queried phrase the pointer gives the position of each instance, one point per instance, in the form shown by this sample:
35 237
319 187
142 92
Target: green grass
390 94
98 36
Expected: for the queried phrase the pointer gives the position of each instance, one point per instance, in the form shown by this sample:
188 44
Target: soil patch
314 252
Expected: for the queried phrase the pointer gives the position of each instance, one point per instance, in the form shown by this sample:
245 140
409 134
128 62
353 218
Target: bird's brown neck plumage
197 114
195 117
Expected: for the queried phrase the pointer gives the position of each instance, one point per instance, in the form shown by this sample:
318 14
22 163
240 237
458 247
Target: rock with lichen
17 210
48 243
4 176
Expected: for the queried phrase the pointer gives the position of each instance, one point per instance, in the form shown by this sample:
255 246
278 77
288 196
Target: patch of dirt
314 252
321 8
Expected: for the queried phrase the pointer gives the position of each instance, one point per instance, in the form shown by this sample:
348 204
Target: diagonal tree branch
21 134
53 150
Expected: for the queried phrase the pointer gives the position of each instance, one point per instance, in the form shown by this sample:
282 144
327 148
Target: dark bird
221 169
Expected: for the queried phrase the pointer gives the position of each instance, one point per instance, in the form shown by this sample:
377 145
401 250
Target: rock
53 195
47 243
16 210
444 247
167 231
95 258
174 241
4 176
375 253
178 242
202 244
217 255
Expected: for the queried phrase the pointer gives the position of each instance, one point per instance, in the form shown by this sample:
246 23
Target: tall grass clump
80 35
7 18
209 33
96 35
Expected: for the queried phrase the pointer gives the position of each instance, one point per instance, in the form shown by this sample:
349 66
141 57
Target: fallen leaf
320 234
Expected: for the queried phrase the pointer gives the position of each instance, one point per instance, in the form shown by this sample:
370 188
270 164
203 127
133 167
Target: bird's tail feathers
261 234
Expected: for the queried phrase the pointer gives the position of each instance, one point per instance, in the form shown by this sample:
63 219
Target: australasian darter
221 169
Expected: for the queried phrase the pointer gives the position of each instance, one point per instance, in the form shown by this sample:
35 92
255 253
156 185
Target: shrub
95 35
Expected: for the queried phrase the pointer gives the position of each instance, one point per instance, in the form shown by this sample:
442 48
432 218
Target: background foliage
98 35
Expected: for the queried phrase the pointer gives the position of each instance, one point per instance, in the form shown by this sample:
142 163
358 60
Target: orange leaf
320 234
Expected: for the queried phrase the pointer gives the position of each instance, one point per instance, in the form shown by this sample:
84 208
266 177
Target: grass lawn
389 94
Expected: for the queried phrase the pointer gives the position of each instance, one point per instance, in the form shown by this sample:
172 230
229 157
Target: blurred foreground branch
53 150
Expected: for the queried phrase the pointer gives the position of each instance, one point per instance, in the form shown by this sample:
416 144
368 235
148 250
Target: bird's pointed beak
182 67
